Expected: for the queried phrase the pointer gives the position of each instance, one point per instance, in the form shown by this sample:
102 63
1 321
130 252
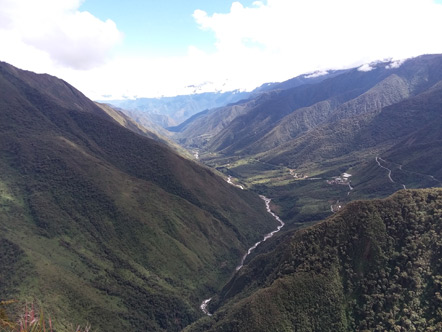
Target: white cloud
297 36
395 64
317 73
269 41
69 37
275 40
366 67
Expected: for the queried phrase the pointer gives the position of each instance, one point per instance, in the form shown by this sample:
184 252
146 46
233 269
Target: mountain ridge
357 270
108 226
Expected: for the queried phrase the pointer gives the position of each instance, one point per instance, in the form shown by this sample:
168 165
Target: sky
111 49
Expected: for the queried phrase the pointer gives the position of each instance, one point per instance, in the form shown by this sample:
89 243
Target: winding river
267 201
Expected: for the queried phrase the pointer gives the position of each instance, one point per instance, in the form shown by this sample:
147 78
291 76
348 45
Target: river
267 201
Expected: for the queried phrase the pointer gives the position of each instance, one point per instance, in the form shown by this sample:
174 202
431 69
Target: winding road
389 170
412 172
267 201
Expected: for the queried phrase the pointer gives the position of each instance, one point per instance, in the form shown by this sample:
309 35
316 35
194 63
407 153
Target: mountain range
106 222
322 129
166 112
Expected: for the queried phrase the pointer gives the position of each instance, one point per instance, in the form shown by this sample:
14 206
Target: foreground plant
29 321
5 323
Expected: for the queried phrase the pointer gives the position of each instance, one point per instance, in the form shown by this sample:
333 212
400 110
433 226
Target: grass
299 200
305 199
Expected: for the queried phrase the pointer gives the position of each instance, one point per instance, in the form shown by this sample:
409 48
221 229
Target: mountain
309 78
272 118
171 111
103 225
154 132
374 266
291 144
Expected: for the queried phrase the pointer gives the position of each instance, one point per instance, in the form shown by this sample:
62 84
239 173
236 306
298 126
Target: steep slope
103 225
387 92
356 133
375 266
258 115
154 132
405 135
350 94
273 119
414 161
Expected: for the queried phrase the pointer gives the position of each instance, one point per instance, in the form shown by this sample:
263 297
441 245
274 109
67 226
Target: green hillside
102 225
375 266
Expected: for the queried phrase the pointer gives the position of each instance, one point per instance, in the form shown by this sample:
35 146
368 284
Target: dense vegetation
375 266
105 226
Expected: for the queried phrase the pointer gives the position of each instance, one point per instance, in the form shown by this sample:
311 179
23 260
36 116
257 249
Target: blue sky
134 48
155 27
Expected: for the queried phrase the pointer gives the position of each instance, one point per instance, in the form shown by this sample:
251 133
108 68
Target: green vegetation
375 266
105 226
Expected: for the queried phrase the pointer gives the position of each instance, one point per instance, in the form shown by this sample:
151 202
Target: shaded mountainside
104 225
387 127
375 266
413 129
154 132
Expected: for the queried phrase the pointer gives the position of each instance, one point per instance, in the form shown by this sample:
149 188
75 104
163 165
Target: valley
104 226
204 305
286 142
310 205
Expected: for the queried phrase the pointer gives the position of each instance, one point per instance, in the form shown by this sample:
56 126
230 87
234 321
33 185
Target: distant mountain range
103 225
168 112
171 111
273 118
337 124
